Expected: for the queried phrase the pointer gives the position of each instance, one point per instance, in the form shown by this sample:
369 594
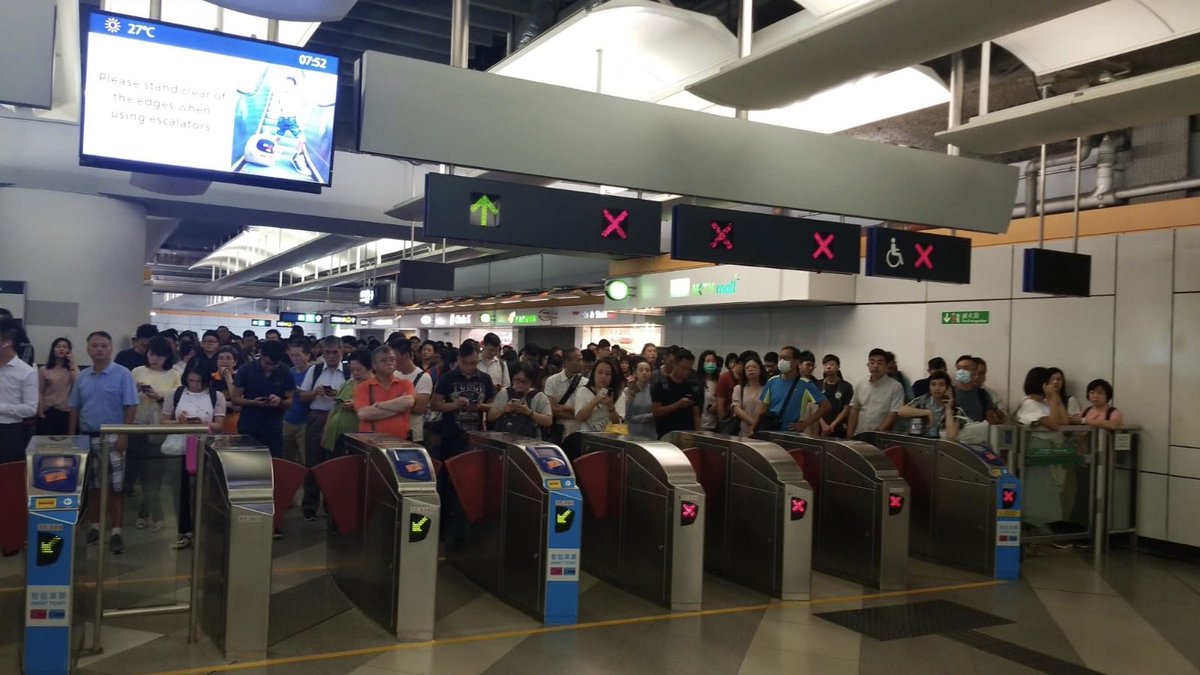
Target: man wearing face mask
789 396
974 402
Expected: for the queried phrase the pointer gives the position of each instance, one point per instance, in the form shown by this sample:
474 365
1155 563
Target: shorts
116 465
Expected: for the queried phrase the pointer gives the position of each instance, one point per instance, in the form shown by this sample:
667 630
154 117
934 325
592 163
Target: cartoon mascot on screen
267 146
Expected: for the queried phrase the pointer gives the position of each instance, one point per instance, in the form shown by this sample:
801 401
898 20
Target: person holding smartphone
936 409
145 464
676 397
192 403
601 402
319 390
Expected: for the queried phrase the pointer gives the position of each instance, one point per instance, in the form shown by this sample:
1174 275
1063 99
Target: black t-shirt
131 359
838 395
666 392
254 382
476 389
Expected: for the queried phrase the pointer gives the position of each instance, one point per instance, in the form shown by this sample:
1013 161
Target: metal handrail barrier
190 606
1106 445
1091 460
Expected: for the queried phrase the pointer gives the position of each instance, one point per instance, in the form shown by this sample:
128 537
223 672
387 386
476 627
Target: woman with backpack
192 403
521 409
601 402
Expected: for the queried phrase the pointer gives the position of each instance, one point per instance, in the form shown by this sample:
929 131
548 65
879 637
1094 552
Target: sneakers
93 536
141 523
116 545
184 541
1062 545
277 535
310 517
156 525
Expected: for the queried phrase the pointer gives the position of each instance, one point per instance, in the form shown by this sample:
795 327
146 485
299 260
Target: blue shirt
101 397
298 413
776 392
255 383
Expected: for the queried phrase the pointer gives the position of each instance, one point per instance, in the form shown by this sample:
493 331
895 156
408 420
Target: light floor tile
455 659
773 662
116 640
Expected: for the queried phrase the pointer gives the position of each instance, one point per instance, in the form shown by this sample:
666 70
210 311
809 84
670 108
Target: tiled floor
1140 614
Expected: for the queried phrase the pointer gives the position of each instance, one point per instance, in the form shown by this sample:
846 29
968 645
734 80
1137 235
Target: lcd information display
165 98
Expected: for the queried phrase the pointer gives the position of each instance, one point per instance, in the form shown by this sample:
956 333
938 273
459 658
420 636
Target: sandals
184 541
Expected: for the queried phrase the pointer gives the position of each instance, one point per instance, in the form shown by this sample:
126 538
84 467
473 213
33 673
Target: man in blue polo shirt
104 393
790 396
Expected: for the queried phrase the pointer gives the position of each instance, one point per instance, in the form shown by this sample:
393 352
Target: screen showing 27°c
163 96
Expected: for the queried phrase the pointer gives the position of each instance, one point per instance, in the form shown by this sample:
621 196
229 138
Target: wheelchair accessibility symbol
894 257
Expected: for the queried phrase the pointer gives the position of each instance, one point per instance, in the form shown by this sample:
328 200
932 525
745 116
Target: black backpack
320 367
521 425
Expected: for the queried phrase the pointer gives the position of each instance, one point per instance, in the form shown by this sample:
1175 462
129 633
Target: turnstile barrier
382 494
56 603
758 532
861 529
643 526
235 562
964 504
519 532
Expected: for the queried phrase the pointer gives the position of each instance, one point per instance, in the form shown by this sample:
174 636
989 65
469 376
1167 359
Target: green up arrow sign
485 212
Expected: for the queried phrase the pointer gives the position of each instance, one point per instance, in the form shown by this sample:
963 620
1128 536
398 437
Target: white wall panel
851 332
1183 507
1185 371
1184 462
990 341
1104 263
743 329
1152 505
801 327
700 329
882 289
1142 345
1187 260
1075 334
991 277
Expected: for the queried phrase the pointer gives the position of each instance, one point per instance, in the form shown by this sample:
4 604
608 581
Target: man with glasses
319 390
560 388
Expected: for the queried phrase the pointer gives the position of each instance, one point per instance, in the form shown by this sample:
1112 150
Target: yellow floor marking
383 649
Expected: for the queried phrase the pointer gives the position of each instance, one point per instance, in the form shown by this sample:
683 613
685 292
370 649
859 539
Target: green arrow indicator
564 517
419 526
486 208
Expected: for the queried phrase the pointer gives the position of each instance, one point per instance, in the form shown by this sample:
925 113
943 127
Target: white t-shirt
876 400
497 369
599 419
556 387
423 383
539 403
193 404
333 378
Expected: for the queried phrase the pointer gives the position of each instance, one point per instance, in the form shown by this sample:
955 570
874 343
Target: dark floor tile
912 620
303 606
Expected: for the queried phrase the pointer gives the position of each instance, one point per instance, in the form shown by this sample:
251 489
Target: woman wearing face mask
601 402
637 394
710 369
935 410
155 381
749 390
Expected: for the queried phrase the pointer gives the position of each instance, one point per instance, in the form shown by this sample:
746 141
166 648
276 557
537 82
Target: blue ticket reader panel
563 535
1008 514
53 623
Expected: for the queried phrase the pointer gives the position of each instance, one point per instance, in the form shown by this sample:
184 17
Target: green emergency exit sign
969 318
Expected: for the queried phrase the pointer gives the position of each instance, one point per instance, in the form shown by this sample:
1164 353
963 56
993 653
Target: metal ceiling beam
353 45
317 248
400 36
259 291
877 37
454 254
482 17
416 23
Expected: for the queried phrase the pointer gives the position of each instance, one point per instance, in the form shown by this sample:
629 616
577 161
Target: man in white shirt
319 390
18 394
877 400
422 383
491 363
560 388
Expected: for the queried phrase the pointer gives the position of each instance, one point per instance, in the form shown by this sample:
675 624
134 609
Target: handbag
773 421
175 445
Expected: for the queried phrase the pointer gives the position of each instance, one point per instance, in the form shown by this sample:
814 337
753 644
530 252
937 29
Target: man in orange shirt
383 401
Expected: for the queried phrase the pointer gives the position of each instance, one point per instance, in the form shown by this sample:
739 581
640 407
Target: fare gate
643 526
382 496
519 530
56 603
964 503
757 532
861 530
236 524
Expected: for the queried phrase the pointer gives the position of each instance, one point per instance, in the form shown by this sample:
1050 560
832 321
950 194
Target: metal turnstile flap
244 465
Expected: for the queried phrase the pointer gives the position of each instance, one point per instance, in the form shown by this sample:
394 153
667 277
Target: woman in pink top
1099 412
55 379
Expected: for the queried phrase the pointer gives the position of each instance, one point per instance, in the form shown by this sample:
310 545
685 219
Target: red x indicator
895 504
1008 497
688 511
799 507
822 246
721 236
614 224
923 253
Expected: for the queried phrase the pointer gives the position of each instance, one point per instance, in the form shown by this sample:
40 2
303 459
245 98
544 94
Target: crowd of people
298 395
